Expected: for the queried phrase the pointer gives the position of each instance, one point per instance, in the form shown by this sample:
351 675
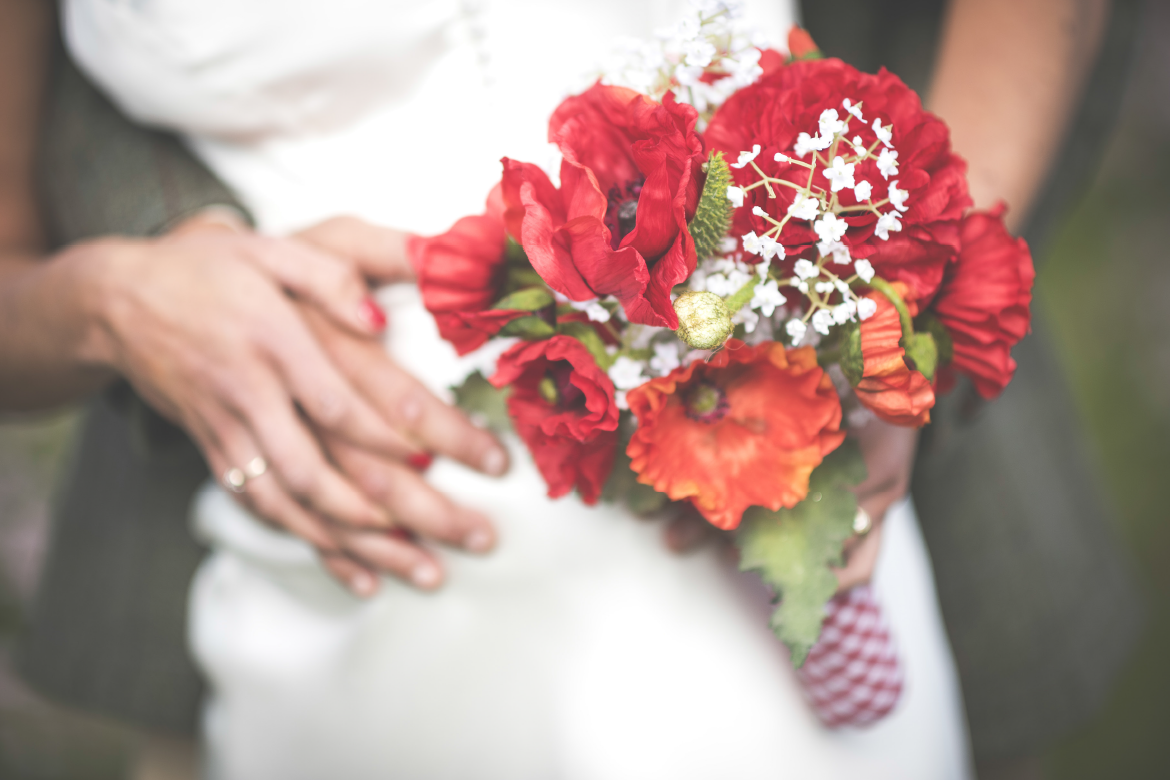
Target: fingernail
494 462
363 584
478 541
421 461
425 575
372 314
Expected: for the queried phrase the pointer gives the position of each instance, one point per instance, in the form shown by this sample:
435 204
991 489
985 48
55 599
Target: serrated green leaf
922 352
793 549
529 329
531 299
589 338
713 214
483 402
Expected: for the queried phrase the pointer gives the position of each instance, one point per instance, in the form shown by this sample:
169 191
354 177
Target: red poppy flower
630 182
744 429
889 388
563 408
984 302
460 274
777 108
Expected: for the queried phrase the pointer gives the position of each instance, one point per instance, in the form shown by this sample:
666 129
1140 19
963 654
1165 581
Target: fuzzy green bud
704 322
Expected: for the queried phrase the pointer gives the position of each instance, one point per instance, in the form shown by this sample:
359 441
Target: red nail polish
421 461
372 314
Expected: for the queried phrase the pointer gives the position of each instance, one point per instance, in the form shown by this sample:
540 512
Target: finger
295 458
326 397
351 574
333 283
394 555
379 252
219 218
412 502
860 561
406 403
230 446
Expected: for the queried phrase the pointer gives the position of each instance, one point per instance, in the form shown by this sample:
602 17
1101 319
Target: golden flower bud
704 321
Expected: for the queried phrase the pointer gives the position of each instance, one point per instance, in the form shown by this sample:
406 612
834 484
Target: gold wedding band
236 479
861 522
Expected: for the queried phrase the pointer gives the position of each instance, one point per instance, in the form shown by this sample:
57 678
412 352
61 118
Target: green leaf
483 402
531 299
529 329
588 336
922 352
928 323
793 549
713 214
850 358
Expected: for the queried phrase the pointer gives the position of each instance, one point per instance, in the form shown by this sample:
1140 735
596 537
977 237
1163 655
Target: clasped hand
267 348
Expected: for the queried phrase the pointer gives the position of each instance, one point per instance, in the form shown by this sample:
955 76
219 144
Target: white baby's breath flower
746 317
888 163
766 297
735 195
795 330
887 222
698 53
806 143
898 197
837 250
751 243
840 174
841 286
830 228
884 134
665 358
824 287
866 308
780 157
805 269
746 157
828 124
859 147
864 270
804 208
844 312
771 248
853 109
862 191
626 373
727 245
822 321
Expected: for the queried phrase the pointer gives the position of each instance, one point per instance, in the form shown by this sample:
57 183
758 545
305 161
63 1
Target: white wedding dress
581 648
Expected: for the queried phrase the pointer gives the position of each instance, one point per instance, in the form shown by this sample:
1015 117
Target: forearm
1008 76
51 334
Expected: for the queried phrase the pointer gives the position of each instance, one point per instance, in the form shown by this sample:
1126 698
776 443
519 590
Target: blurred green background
1102 287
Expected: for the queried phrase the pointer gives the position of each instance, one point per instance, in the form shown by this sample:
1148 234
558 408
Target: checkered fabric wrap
852 676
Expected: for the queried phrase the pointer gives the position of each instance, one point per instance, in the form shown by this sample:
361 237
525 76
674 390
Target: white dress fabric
581 648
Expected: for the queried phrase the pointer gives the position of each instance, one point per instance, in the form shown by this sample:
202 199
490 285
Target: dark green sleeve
108 628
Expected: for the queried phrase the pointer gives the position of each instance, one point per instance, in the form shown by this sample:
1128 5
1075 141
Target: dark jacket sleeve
108 628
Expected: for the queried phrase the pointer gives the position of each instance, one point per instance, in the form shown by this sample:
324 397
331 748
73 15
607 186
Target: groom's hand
325 271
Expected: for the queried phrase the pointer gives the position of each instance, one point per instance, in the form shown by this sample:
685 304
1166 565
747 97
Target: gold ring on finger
862 522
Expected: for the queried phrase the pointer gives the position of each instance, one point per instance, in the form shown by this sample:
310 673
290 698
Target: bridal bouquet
744 254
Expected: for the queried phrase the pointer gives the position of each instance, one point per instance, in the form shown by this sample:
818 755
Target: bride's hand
889 459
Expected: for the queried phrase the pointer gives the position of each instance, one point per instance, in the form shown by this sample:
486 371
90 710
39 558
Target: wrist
105 272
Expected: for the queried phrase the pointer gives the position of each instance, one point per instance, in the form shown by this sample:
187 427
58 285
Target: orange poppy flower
889 388
744 429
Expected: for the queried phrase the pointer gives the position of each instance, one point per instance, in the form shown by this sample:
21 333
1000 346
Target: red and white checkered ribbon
852 676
